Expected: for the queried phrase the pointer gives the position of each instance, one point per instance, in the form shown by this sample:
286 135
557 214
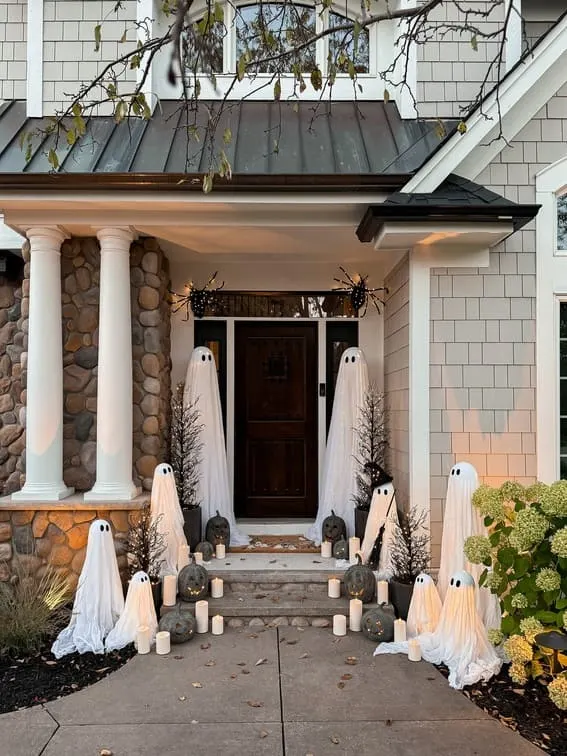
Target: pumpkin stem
333 512
218 513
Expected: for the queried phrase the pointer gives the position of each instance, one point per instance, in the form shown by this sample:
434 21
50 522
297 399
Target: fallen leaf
252 635
240 664
264 734
255 704
316 561
194 721
291 642
260 661
51 664
304 656
335 740
182 698
340 685
210 663
205 646
178 657
196 685
260 595
272 561
346 677
105 752
352 660
233 677
100 671
388 723
245 671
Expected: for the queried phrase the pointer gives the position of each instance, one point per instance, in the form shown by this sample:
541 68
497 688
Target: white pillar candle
353 547
163 642
169 590
202 616
334 588
217 587
355 615
339 624
399 631
414 650
183 557
143 639
382 591
326 549
198 557
220 551
217 627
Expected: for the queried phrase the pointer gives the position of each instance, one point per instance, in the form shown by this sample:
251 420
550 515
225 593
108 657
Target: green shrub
526 551
31 609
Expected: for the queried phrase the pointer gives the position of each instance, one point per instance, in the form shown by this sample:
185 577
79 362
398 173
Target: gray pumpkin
378 624
340 549
218 530
179 624
207 550
193 582
334 528
360 582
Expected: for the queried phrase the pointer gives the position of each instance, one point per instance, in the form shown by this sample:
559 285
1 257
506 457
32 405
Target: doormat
278 544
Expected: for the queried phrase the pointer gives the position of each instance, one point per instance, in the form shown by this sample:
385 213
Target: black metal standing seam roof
315 139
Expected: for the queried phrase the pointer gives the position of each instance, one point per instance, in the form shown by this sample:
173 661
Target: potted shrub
145 548
410 557
185 458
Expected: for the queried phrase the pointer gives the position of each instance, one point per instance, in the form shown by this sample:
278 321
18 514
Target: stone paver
25 733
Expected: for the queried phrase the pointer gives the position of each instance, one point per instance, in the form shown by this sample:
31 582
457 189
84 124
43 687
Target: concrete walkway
279 692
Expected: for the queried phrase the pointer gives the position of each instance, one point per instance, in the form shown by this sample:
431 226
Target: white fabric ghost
138 610
99 599
460 640
338 483
383 511
213 490
461 520
424 608
164 503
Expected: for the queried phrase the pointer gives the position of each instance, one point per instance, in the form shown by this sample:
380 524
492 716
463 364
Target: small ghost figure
213 489
461 520
139 610
99 599
164 504
424 608
338 482
382 518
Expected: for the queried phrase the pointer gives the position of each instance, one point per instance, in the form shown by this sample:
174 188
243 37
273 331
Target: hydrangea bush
525 555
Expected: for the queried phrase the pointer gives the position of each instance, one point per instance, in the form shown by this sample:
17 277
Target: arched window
341 42
562 222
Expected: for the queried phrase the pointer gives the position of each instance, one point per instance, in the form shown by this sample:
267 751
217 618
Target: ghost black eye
107 528
353 359
204 358
346 359
102 528
452 472
210 358
452 581
458 472
458 583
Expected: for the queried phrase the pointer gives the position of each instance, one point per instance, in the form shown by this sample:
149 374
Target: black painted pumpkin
334 528
218 530
360 582
340 549
193 582
179 624
378 624
206 549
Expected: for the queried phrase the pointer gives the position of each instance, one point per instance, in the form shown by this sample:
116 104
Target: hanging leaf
241 68
316 79
277 90
227 136
53 159
123 37
207 183
386 96
462 127
474 43
97 36
71 137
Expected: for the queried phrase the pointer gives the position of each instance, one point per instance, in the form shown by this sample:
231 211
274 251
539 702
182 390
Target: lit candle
217 587
202 616
334 588
353 547
355 615
163 643
414 650
143 639
169 590
182 556
382 591
399 631
198 557
217 625
326 549
220 551
339 624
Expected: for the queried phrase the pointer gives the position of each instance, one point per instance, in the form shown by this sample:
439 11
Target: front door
275 449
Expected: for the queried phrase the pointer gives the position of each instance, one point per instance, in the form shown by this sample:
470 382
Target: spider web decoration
360 292
195 299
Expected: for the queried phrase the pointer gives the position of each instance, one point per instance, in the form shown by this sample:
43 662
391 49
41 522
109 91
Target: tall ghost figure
138 611
213 491
461 520
383 514
164 504
338 484
99 599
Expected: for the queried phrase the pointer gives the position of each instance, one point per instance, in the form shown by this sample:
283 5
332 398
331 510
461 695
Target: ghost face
386 491
461 579
423 581
163 469
202 358
461 472
140 578
353 358
99 531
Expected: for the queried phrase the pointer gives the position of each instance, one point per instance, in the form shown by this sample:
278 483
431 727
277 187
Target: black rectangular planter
192 526
360 518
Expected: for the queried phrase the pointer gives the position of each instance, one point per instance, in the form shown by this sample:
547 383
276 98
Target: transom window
562 222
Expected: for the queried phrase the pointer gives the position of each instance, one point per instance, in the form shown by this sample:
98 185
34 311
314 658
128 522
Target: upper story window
562 222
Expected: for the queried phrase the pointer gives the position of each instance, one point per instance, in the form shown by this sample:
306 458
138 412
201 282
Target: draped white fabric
383 511
138 610
164 502
340 466
461 520
99 599
460 640
213 492
424 608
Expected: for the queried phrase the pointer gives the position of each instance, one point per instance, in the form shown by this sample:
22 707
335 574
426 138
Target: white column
114 398
44 413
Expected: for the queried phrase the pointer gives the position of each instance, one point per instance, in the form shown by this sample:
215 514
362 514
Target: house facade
465 231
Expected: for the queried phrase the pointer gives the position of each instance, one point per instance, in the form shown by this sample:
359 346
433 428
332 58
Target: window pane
563 359
563 397
563 439
271 29
203 43
341 45
563 470
563 320
562 222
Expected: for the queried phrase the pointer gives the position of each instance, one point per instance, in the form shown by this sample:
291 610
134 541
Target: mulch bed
278 544
26 681
526 709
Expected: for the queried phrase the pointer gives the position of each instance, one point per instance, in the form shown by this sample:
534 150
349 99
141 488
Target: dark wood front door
275 471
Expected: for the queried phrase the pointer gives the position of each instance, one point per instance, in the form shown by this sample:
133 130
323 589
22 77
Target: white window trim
34 59
551 289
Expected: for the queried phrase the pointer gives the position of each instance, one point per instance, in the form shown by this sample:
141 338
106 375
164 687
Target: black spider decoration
196 299
360 293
